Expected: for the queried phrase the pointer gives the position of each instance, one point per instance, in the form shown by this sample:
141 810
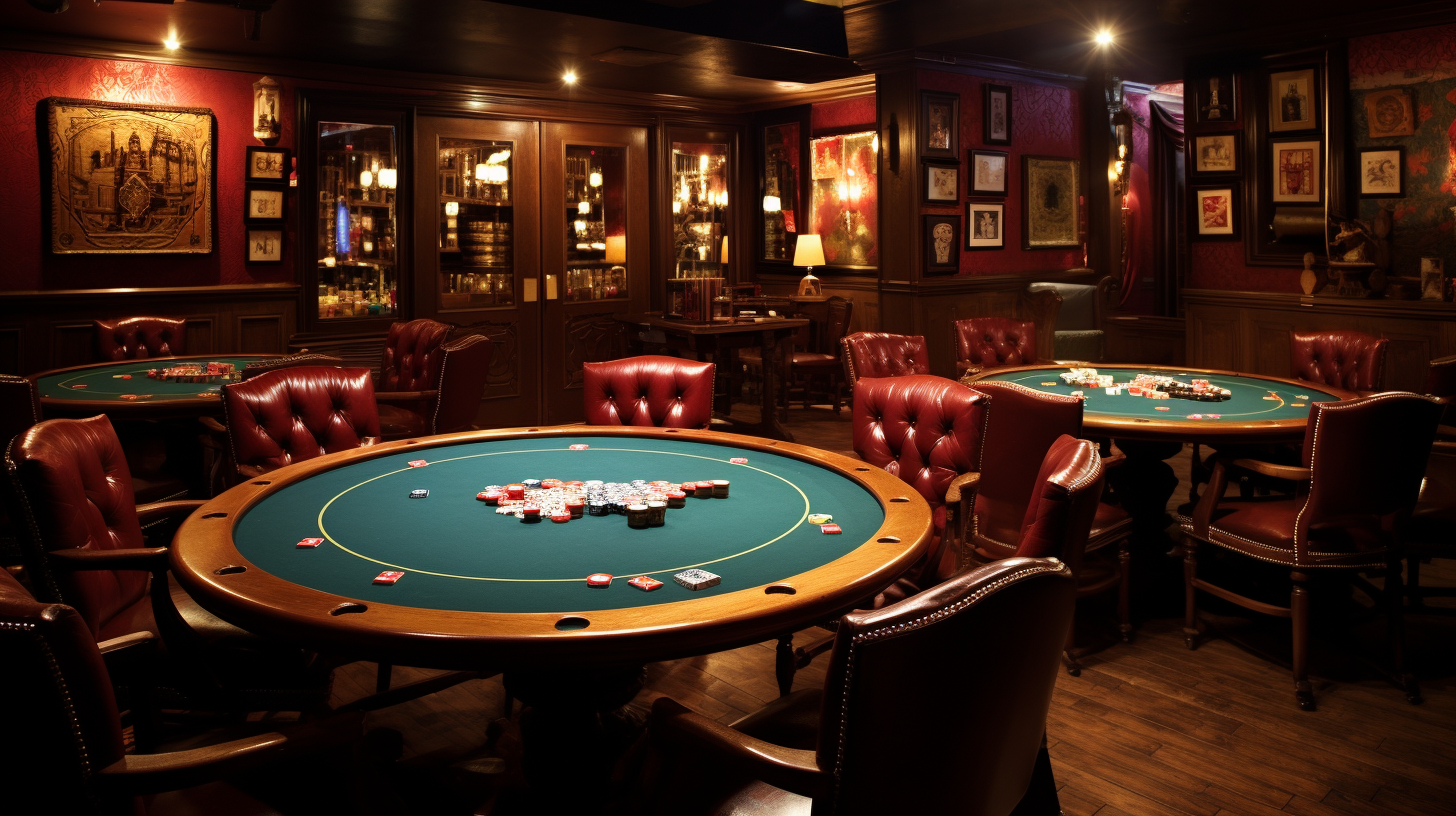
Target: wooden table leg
773 361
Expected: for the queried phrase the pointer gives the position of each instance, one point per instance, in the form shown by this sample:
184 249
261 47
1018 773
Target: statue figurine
1358 254
1307 279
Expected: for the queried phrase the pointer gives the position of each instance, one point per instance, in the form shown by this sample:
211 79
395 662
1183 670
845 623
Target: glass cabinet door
780 190
700 176
358 179
476 223
596 222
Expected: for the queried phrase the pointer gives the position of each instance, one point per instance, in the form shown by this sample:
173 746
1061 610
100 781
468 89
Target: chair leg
1069 657
1124 569
838 394
1395 630
1041 797
1299 615
1190 592
1413 585
784 664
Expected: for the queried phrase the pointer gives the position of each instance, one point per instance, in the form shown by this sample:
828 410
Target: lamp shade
809 251
616 249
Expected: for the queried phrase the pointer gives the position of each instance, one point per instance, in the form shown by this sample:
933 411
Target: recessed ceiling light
1104 37
569 77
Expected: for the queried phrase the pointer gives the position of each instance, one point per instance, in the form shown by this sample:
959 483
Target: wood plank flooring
1149 728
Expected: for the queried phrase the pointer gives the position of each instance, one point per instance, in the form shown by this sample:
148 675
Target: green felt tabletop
459 554
108 382
1247 403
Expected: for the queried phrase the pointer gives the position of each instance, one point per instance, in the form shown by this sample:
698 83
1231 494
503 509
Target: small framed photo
1296 167
264 204
985 225
1213 213
988 172
265 246
1433 281
942 183
942 248
1216 154
1380 173
1390 113
940 124
1292 101
1215 100
267 164
996 114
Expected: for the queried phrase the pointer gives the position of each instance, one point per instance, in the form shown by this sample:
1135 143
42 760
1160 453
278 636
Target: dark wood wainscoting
862 291
1145 339
41 330
1249 331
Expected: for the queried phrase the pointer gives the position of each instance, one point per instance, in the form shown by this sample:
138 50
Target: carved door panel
594 252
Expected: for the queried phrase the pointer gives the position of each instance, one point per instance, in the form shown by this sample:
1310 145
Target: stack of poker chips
196 373
1086 377
1160 387
644 503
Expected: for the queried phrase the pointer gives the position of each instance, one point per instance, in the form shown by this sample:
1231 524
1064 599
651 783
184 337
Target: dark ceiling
732 50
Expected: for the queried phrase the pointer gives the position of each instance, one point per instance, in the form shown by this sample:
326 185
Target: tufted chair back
295 414
994 342
302 358
412 355
464 366
75 492
999 626
1064 500
69 715
878 354
1351 360
134 338
652 390
926 430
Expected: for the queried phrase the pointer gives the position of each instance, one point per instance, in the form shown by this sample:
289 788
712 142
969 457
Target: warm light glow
452 208
569 77
809 251
598 245
368 246
703 163
172 42
616 249
1104 37
580 225
595 179
676 206
1112 171
772 204
482 172
723 199
875 143
583 207
1122 151
389 178
723 254
366 179
843 189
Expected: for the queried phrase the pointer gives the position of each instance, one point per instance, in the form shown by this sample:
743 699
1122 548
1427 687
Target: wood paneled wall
1249 331
41 330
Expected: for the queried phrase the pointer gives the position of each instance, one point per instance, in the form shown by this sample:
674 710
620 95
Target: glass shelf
358 178
596 223
476 233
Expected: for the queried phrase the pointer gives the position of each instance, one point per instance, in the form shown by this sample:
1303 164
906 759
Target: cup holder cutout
214 515
862 470
900 499
231 569
572 623
780 589
888 540
348 609
672 430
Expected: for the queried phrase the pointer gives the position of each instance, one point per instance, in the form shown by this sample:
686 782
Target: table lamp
809 252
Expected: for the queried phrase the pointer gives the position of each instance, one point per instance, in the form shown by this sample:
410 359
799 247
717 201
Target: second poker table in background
103 389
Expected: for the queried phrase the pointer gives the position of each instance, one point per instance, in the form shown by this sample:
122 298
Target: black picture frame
1215 154
1383 162
1201 230
1214 95
983 186
1294 100
257 251
256 211
1055 220
977 229
933 176
940 124
932 241
996 101
267 165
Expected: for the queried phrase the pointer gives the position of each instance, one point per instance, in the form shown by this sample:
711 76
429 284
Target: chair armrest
1290 472
964 483
211 424
140 558
405 396
804 655
1115 457
960 499
158 511
138 774
133 640
793 770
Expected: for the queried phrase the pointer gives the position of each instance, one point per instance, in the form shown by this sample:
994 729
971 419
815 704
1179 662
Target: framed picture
1050 215
1297 169
268 164
1216 154
942 249
130 179
996 114
1389 113
828 160
1215 100
940 119
264 204
1380 173
265 246
1214 213
985 225
942 182
1433 281
988 172
1292 101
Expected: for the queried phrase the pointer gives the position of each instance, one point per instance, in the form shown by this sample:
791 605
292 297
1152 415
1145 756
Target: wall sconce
452 208
366 179
267 97
583 207
595 179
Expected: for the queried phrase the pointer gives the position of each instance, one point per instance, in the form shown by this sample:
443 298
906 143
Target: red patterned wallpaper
1045 121
843 113
26 79
1220 265
1399 57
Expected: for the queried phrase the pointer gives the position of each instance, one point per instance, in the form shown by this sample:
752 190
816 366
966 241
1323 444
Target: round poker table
1260 408
123 388
481 588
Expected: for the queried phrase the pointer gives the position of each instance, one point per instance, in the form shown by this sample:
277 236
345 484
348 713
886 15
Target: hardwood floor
1148 728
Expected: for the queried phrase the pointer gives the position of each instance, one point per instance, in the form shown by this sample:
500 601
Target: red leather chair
19 409
1025 424
883 735
83 547
302 358
295 414
409 376
993 342
1351 360
66 751
134 338
650 391
1362 466
877 354
1431 532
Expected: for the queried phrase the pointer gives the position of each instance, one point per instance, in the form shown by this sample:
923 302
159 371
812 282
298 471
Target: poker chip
1297 404
820 518
418 463
309 543
488 497
1195 416
1212 416
1272 398
578 447
830 529
79 385
419 494
128 396
599 579
1161 408
696 579
560 518
645 583
388 577
738 460
1049 383
1301 396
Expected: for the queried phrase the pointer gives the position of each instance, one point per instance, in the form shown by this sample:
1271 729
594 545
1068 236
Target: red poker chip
418 463
309 543
599 579
579 447
645 583
79 385
738 460
830 529
561 518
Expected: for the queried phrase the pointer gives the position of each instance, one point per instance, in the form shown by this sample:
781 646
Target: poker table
484 589
123 390
1260 408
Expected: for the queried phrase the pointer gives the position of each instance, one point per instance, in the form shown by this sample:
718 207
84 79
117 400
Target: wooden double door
535 234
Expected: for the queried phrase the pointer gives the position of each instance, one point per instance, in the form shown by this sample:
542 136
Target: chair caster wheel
1190 641
1414 699
1306 705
